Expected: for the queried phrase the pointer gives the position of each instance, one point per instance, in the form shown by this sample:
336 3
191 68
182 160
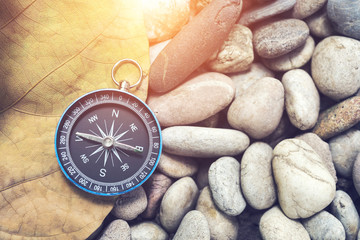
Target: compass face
108 142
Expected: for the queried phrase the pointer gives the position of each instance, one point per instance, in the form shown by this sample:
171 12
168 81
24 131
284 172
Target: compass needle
90 137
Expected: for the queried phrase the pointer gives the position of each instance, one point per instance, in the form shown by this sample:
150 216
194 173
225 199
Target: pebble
170 17
201 37
319 24
205 94
258 111
344 209
344 150
236 53
274 225
338 118
302 100
304 184
224 181
243 80
345 17
148 231
193 226
117 229
183 193
292 60
322 148
324 225
262 12
204 142
305 8
221 225
280 37
335 67
257 183
356 174
130 205
177 166
155 188
155 50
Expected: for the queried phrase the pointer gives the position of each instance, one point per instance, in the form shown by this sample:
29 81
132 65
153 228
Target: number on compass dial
108 142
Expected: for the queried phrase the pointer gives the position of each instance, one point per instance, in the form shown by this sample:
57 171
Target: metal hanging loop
125 85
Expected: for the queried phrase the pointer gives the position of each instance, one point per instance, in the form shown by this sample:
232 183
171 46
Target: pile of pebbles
261 137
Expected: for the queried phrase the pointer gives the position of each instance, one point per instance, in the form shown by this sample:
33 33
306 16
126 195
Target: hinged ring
126 60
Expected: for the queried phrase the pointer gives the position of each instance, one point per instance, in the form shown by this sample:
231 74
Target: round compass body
108 142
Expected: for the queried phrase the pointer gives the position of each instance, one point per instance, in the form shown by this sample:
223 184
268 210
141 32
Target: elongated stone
338 118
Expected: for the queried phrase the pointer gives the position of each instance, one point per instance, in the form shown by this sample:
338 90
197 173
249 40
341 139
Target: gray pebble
221 225
335 67
117 229
224 177
148 231
130 205
280 37
344 209
257 183
356 174
274 225
177 166
345 16
265 11
344 150
204 142
324 225
177 201
193 226
302 100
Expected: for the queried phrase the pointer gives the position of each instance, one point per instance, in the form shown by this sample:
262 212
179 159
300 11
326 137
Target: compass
108 142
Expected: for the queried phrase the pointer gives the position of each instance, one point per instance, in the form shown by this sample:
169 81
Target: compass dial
108 142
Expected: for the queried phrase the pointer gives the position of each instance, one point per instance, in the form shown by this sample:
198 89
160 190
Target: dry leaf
52 52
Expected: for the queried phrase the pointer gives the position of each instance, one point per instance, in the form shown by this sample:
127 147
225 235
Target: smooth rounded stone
117 229
344 209
319 24
177 201
292 60
324 225
193 44
338 118
221 225
224 181
177 166
322 148
335 66
344 150
193 226
170 17
258 111
274 225
236 53
155 50
243 80
304 184
130 205
305 8
148 231
356 174
199 98
204 142
302 100
257 183
155 188
345 17
265 11
280 37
